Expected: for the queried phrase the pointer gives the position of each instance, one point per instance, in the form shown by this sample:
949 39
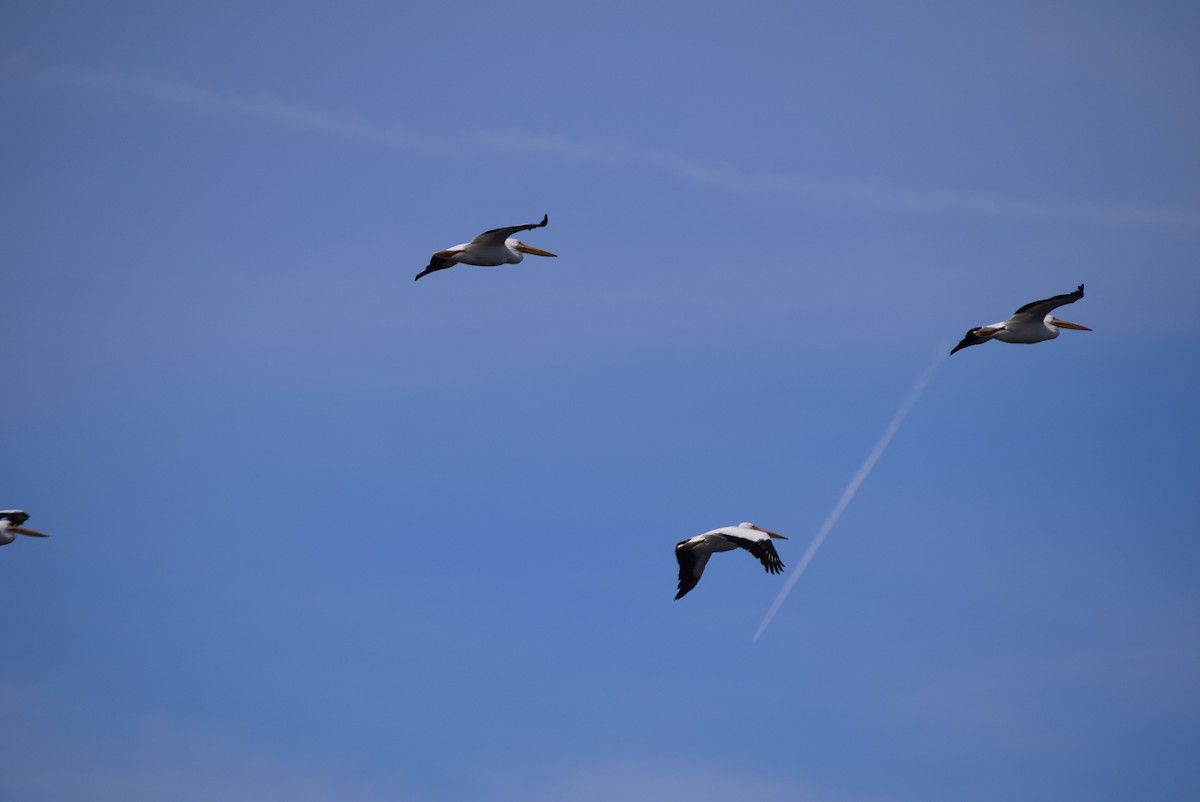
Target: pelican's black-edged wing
691 567
764 550
1039 309
501 234
14 517
970 339
436 263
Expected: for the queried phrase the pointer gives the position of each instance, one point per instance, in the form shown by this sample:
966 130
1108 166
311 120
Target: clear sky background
323 533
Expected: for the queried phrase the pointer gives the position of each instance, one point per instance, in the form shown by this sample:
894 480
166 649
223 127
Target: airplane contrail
851 489
350 126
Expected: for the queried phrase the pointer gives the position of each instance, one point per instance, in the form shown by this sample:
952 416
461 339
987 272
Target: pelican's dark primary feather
1050 304
14 517
510 230
764 550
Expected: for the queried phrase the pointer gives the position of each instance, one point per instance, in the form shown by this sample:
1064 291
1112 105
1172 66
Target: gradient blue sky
320 533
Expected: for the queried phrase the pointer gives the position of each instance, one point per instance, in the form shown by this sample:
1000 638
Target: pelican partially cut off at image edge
10 526
489 249
694 552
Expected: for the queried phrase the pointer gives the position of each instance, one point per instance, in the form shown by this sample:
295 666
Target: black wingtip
545 220
967 341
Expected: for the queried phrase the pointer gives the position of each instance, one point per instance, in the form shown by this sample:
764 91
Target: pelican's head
529 249
748 525
977 336
10 525
1059 323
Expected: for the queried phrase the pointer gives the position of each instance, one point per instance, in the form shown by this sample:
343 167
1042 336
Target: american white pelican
1032 323
694 552
491 248
10 526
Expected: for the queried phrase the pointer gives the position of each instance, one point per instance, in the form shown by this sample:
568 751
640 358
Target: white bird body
10 526
505 253
694 552
1029 333
489 249
1032 323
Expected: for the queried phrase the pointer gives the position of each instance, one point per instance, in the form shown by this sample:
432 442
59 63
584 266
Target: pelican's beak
769 532
22 531
1065 324
534 251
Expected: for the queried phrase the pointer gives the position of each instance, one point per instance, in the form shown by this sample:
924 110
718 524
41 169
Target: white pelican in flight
1032 323
694 552
491 248
10 526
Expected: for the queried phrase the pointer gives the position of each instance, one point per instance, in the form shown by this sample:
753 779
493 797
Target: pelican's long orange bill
1063 324
534 251
23 531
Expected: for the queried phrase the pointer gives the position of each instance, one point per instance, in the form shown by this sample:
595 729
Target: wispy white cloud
349 125
342 124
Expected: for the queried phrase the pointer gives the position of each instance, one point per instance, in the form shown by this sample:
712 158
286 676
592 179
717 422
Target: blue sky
321 533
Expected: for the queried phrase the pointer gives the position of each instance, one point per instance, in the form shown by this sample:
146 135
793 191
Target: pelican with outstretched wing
1032 323
694 552
489 249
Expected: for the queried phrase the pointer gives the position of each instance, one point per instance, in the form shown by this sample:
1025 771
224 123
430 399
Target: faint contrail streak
851 489
351 126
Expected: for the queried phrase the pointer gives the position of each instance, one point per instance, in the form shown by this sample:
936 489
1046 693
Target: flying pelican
491 248
1032 323
694 552
10 526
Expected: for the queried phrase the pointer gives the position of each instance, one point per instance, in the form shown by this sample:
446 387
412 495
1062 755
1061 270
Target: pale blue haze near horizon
320 533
